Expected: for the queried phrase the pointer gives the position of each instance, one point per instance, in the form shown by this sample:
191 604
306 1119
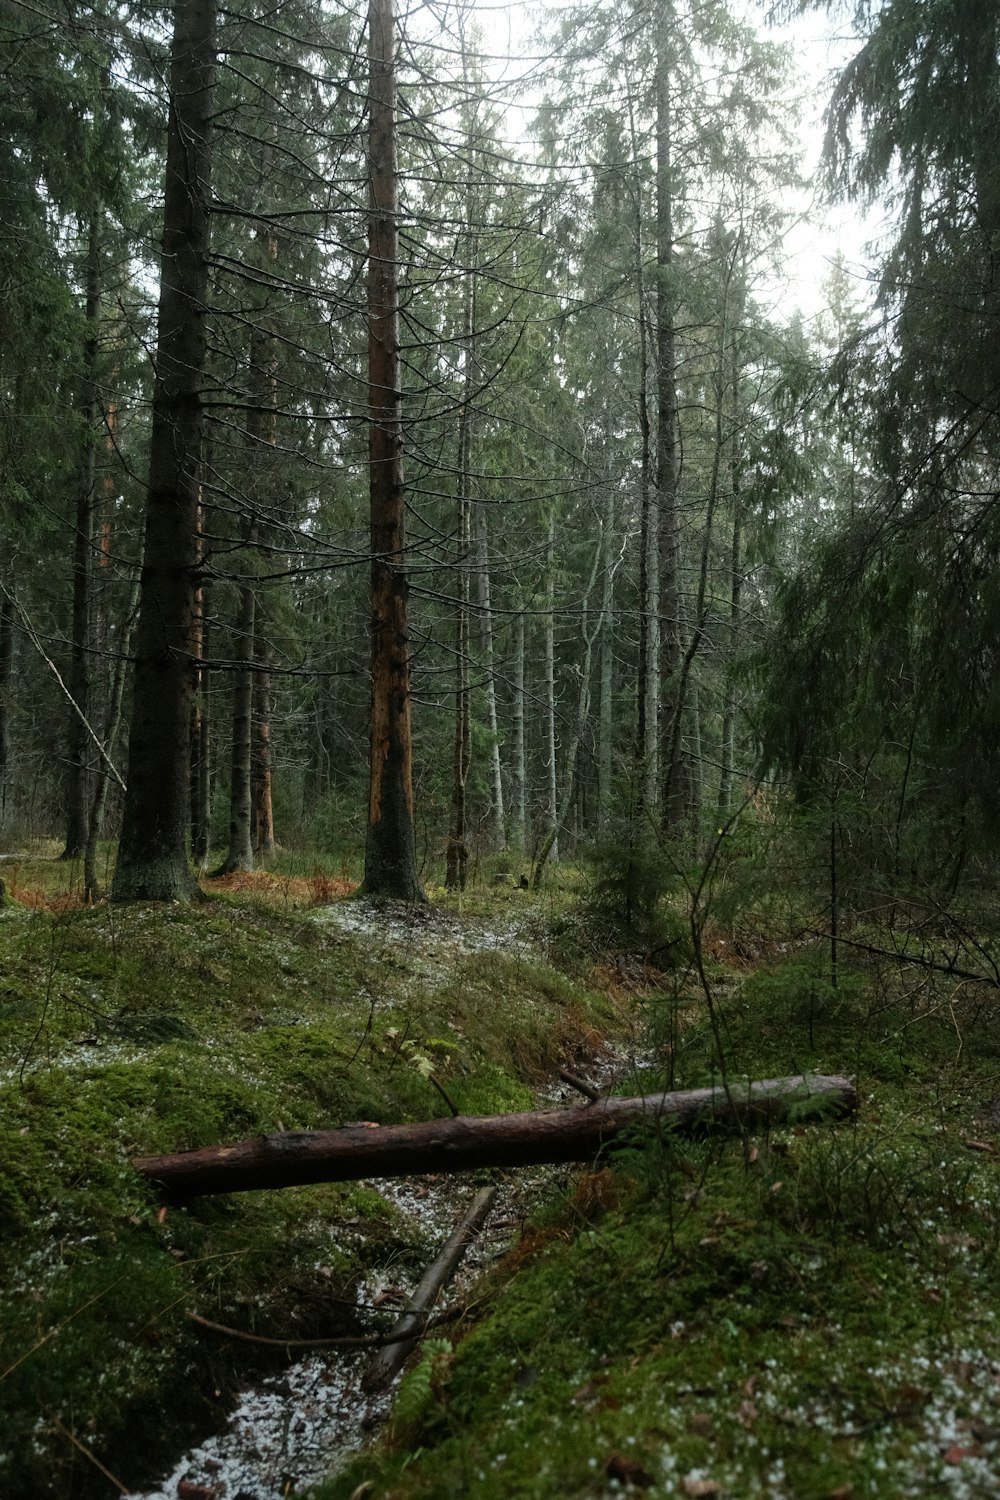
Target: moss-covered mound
132 1030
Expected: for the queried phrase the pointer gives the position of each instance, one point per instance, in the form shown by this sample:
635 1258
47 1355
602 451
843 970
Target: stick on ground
413 1322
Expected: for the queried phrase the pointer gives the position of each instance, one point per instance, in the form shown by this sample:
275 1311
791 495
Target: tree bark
112 728
457 857
79 681
648 688
601 554
201 733
550 840
263 434
686 691
152 855
390 849
520 770
470 1142
671 693
261 785
6 690
239 855
605 716
728 749
488 650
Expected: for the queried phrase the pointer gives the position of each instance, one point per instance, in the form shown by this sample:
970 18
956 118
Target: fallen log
468 1142
412 1324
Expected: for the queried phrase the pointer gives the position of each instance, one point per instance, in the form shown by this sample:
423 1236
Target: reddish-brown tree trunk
152 856
390 852
469 1141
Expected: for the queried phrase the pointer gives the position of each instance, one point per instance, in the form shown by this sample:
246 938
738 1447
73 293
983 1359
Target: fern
421 1391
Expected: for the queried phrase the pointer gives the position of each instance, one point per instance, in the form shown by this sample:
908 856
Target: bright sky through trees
820 43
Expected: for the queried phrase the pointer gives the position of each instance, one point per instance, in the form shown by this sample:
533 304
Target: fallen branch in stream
336 1341
580 1084
470 1142
413 1323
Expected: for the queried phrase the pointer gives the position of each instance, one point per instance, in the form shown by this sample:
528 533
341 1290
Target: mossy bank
141 1029
810 1314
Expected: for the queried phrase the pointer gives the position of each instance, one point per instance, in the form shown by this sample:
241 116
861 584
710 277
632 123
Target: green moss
707 1335
696 1311
142 1029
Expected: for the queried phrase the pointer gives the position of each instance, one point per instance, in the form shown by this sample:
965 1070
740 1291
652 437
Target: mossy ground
808 1314
138 1029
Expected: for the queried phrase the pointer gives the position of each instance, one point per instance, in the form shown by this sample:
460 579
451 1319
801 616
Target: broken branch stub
469 1142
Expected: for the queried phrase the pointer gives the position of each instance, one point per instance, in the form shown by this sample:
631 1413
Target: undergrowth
809 1313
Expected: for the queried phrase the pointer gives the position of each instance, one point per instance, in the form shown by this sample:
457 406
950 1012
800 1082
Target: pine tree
152 855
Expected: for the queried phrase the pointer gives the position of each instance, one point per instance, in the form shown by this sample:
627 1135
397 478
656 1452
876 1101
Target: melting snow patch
284 1434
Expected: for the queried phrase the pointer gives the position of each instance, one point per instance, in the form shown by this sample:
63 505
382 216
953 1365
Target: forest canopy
402 449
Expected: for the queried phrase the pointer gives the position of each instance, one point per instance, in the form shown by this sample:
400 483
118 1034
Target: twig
33 638
581 1086
342 1341
444 1095
88 1454
905 956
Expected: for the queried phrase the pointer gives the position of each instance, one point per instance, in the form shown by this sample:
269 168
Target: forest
488 645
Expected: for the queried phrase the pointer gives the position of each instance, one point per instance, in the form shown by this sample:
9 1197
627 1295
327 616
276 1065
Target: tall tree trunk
671 697
112 728
250 778
199 710
79 742
261 782
488 651
550 841
648 697
602 556
694 762
201 738
520 769
605 717
6 693
239 855
390 849
458 850
700 620
728 748
104 521
264 436
152 855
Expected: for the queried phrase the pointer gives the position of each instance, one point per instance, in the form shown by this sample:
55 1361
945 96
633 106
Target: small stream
293 1429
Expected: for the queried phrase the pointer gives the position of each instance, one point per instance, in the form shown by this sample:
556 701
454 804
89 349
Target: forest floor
808 1314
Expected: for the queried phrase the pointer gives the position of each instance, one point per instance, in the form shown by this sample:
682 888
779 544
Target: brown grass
314 890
